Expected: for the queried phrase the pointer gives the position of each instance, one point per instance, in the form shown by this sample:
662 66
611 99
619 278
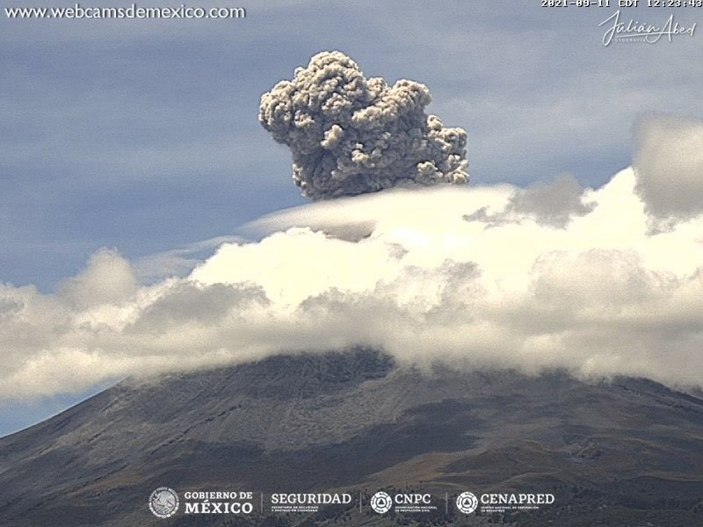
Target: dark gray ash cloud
351 135
552 203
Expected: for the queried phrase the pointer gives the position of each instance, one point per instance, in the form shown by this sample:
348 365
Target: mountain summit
627 450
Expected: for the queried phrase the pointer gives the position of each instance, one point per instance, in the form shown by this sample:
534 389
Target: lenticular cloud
351 135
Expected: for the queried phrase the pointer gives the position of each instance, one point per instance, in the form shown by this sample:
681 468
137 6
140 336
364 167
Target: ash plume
351 135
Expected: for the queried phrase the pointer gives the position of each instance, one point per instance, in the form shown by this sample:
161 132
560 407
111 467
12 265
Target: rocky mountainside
624 452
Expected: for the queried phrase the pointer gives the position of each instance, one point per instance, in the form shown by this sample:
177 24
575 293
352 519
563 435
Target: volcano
625 451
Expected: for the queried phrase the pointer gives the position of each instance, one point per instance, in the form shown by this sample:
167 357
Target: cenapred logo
467 502
381 502
163 502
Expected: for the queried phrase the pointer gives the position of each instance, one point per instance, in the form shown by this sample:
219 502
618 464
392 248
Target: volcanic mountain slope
626 452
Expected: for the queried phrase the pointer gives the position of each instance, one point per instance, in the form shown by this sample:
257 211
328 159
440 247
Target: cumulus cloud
669 164
351 135
421 274
107 278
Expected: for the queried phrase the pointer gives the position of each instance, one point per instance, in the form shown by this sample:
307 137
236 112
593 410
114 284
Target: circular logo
467 502
163 502
381 502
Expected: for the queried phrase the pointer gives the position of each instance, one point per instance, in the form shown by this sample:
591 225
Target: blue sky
143 135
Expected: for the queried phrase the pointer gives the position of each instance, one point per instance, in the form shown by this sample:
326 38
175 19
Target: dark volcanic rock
623 451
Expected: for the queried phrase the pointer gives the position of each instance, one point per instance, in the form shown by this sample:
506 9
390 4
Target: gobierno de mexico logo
163 502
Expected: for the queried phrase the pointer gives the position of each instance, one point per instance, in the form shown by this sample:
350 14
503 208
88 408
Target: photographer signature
635 31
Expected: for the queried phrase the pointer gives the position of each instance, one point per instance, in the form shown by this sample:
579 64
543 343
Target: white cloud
669 163
107 279
474 277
